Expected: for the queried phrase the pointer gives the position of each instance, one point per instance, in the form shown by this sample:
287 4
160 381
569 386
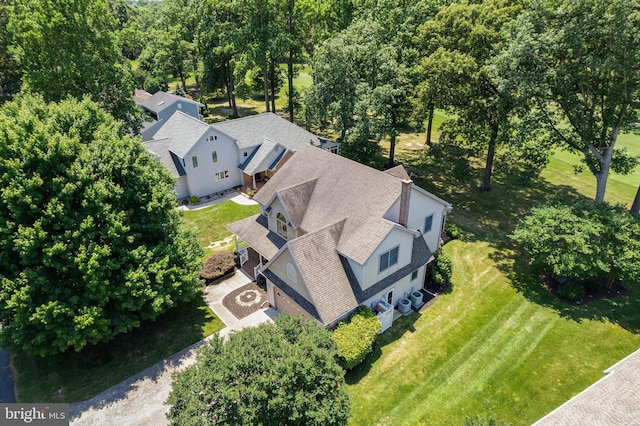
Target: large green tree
360 78
9 71
583 241
460 45
69 48
274 374
217 41
580 60
90 241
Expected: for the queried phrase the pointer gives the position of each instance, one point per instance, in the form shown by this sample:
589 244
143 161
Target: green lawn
80 376
620 189
211 222
498 342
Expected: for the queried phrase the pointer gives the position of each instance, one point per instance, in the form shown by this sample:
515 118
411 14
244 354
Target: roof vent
160 103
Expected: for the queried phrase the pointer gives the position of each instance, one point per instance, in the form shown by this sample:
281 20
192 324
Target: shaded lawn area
497 342
211 221
83 375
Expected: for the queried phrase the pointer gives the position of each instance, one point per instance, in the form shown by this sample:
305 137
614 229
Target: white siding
396 238
420 207
277 207
202 179
279 267
241 154
181 189
393 214
401 288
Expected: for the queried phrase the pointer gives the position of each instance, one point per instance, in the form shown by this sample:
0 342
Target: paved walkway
236 197
140 399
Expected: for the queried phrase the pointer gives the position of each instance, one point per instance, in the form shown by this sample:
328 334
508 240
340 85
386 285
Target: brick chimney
405 196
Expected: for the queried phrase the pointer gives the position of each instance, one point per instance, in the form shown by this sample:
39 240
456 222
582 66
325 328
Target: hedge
355 336
218 265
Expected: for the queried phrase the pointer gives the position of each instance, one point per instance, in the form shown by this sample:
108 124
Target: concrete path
214 294
140 400
236 197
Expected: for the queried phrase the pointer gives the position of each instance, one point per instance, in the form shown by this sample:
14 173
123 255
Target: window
245 154
222 175
214 156
388 259
428 222
414 275
194 160
281 222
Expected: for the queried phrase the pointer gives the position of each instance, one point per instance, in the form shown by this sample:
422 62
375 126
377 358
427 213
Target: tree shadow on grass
223 112
622 311
145 352
401 326
492 216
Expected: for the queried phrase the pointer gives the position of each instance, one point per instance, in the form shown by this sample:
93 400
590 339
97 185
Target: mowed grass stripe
462 381
481 305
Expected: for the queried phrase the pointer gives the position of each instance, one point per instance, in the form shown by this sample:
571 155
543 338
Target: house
161 106
206 159
613 400
333 234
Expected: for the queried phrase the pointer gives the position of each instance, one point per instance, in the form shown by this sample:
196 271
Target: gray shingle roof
614 400
161 100
337 207
161 149
254 231
343 189
255 164
183 131
399 172
251 131
319 264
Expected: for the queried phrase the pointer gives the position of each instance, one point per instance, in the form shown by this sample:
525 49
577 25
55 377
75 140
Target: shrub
355 336
440 269
452 230
218 265
571 290
194 199
251 192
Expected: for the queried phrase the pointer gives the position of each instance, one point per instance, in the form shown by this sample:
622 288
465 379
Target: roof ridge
246 117
339 222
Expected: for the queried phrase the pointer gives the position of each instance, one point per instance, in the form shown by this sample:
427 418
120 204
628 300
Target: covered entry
255 243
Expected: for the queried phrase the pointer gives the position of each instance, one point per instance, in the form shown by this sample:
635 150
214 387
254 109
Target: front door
389 297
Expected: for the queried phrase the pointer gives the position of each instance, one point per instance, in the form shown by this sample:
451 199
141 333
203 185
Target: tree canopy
580 60
583 241
90 241
280 373
69 49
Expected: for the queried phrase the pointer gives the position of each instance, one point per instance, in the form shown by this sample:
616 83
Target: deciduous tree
90 241
68 48
281 373
580 60
583 241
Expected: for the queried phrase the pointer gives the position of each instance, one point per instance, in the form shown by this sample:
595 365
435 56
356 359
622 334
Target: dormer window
388 259
281 223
